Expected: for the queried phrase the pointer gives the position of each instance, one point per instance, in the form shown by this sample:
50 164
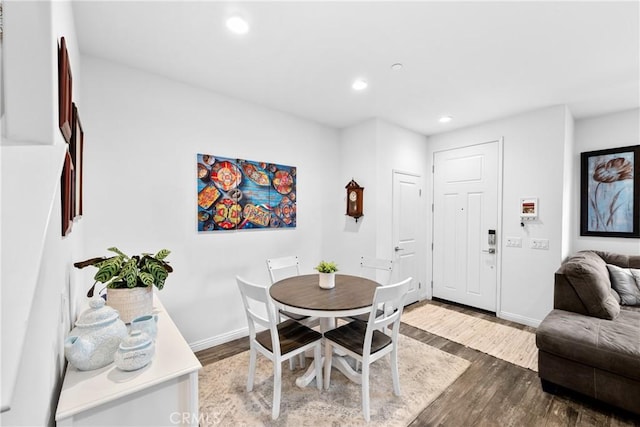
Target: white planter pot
131 303
327 280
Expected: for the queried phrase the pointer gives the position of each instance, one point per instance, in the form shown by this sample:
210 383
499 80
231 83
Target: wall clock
354 199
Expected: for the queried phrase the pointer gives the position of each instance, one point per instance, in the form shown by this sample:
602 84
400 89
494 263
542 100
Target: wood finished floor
491 392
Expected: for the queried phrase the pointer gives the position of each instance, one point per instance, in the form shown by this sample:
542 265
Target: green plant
122 271
326 267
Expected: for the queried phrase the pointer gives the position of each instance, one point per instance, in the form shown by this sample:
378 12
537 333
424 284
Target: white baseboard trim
219 339
519 319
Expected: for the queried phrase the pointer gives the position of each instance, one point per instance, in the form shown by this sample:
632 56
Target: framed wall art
610 192
237 194
65 108
76 148
66 195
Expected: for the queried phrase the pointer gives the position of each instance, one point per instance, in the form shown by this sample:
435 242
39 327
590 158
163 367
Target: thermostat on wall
529 209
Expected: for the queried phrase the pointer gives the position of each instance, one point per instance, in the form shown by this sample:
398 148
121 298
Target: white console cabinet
163 393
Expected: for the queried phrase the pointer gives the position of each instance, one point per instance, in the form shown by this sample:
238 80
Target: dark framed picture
66 195
610 192
76 149
65 108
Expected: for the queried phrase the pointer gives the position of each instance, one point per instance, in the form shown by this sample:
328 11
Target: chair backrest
281 268
377 265
392 297
259 295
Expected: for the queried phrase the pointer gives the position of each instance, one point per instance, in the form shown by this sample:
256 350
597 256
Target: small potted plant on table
327 274
129 280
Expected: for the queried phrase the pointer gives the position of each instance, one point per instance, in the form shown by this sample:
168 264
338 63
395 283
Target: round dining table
351 296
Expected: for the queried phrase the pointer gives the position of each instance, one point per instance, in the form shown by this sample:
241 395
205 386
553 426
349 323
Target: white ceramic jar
95 338
147 323
135 351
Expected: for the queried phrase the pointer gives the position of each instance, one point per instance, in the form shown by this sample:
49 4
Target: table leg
326 323
338 361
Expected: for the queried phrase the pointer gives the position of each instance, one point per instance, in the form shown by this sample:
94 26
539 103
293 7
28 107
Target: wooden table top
350 293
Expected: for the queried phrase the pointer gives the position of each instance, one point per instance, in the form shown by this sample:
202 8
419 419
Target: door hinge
433 168
431 245
431 207
420 192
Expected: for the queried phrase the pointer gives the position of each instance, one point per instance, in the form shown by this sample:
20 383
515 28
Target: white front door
465 217
406 217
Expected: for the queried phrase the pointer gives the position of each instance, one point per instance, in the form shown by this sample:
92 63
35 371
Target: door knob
398 248
490 250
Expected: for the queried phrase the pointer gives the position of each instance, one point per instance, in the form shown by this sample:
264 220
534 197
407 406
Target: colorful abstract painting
610 192
237 194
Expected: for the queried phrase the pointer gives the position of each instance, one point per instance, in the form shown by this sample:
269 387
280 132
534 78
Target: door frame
500 240
420 281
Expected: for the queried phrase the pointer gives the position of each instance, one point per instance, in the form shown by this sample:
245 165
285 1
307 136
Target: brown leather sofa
589 342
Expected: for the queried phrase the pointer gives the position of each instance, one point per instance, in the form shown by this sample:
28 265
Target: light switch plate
514 242
539 244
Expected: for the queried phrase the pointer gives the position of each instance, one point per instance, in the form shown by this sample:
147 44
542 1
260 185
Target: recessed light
238 25
445 119
359 84
397 66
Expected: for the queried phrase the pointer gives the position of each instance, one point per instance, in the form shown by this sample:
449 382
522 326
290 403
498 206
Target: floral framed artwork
610 192
239 194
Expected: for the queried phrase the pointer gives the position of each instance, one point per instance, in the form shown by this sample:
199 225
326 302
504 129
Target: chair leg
252 369
292 364
317 357
328 350
394 370
365 391
277 388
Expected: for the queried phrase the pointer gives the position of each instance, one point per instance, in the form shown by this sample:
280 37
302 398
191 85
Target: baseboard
519 319
219 339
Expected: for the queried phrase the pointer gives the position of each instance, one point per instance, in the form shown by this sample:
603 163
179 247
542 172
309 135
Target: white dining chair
370 267
281 268
366 342
280 341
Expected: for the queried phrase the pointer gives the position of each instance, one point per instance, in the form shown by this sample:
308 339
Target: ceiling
475 61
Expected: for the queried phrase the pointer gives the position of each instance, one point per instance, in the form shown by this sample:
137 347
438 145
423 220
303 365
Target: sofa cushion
626 281
587 273
610 345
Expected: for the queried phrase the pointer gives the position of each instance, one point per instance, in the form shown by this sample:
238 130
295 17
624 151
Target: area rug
425 372
514 345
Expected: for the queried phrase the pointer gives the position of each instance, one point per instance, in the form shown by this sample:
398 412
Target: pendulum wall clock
354 199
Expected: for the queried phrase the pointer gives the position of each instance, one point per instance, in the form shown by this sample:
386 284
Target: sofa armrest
565 297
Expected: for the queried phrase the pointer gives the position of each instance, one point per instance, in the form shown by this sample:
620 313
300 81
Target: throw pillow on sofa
587 274
626 281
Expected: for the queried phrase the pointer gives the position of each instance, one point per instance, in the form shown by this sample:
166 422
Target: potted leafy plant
129 280
327 274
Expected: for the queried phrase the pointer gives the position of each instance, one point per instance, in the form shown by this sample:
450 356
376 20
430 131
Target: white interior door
406 230
465 214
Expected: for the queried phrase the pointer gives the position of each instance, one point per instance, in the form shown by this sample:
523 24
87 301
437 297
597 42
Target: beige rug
425 372
514 345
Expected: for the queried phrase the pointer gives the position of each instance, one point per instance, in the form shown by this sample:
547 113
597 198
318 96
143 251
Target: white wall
369 153
348 240
599 133
142 135
401 150
32 30
533 151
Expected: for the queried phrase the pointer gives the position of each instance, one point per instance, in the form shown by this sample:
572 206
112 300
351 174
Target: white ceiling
475 61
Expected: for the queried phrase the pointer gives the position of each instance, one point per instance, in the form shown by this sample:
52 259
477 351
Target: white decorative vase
131 302
327 280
